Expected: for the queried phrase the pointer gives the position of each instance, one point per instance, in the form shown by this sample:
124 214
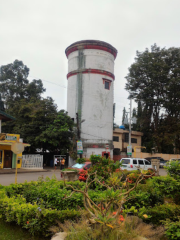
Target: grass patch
9 231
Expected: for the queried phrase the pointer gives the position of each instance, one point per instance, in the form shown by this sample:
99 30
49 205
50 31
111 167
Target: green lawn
9 231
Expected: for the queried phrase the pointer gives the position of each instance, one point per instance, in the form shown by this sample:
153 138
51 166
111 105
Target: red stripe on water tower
89 46
92 71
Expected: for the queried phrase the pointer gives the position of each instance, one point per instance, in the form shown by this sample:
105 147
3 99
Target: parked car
150 158
135 163
82 166
162 161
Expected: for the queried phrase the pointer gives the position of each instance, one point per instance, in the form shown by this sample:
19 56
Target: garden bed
36 206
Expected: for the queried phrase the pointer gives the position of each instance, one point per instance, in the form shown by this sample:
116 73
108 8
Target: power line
58 84
50 82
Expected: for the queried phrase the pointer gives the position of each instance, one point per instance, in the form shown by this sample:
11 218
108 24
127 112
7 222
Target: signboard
79 147
8 137
129 150
11 138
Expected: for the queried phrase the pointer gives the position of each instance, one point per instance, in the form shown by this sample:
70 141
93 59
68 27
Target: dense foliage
153 82
37 119
173 169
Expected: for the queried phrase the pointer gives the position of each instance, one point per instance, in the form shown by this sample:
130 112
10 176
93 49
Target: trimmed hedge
160 212
51 194
32 216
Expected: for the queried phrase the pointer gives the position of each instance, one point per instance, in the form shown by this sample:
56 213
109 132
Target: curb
13 172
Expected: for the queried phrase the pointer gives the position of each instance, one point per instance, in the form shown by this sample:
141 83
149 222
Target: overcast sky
38 32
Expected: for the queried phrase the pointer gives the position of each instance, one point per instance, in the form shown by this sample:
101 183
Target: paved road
162 172
6 179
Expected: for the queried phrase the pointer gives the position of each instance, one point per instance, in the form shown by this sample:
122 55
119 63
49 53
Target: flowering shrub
132 177
83 175
148 172
104 167
121 218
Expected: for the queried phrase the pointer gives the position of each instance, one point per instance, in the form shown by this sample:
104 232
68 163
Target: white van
134 163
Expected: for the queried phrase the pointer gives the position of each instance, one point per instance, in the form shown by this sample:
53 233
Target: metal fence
32 161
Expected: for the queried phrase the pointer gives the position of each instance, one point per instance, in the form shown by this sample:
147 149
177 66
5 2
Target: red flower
99 205
121 218
27 222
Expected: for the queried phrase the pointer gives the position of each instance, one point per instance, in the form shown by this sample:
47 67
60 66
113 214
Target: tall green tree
14 84
37 119
58 135
154 80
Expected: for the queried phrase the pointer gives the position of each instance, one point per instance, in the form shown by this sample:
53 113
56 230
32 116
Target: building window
107 83
115 139
133 140
126 139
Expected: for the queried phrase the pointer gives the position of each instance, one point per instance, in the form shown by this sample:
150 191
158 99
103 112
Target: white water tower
90 93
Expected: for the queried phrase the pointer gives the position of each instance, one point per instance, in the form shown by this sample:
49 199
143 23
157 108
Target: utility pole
130 118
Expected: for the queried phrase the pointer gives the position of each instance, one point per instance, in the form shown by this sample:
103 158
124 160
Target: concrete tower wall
88 72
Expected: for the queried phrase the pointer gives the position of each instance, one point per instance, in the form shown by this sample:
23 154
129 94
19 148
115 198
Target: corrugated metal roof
10 143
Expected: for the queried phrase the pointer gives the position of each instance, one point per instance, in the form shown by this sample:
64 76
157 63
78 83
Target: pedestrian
62 163
55 163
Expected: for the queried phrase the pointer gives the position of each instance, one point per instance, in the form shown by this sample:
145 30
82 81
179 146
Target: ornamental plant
83 175
128 228
101 212
132 177
102 166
